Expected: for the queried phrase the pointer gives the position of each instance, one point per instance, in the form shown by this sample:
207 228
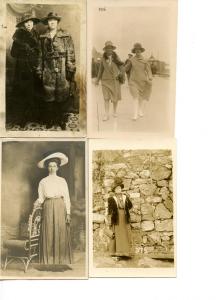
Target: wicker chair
25 250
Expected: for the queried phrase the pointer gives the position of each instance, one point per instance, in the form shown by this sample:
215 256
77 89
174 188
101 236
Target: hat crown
109 44
137 45
26 16
52 14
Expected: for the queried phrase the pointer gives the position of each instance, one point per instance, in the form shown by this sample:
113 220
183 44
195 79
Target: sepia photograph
45 69
132 61
132 204
43 210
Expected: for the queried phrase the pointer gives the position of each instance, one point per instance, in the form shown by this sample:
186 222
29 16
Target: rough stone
164 192
131 175
171 185
117 166
169 205
162 183
147 189
155 236
109 174
98 218
127 183
148 249
153 199
144 239
96 188
108 182
161 212
160 173
96 226
147 212
134 195
147 225
165 225
139 181
98 208
145 174
135 218
121 173
136 236
136 225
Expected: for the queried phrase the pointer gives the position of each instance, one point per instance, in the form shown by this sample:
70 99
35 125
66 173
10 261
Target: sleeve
41 196
100 71
110 206
70 56
66 196
128 66
129 203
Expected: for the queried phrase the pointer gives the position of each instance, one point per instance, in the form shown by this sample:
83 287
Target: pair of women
111 74
48 59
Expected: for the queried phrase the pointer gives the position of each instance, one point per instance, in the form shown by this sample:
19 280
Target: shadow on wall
21 176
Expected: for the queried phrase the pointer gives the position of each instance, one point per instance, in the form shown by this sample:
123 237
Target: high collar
59 33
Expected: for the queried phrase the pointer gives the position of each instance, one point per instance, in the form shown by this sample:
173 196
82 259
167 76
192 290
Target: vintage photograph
132 203
45 84
43 210
132 60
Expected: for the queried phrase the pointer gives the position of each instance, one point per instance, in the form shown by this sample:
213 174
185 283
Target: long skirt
121 245
55 246
111 90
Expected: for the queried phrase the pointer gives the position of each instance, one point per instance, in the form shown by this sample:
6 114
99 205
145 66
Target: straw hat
61 156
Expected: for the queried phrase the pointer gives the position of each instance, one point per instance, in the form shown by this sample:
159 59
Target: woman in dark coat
58 69
55 246
111 74
26 50
118 212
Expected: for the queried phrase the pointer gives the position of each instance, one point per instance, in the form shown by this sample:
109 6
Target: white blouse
54 186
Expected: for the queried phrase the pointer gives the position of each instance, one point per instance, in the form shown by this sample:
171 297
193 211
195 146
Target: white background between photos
197 163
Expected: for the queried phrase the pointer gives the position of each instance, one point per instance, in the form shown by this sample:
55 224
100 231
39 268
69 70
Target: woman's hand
68 219
36 204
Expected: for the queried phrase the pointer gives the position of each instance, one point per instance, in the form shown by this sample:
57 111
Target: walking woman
58 71
111 74
53 194
140 80
118 212
26 50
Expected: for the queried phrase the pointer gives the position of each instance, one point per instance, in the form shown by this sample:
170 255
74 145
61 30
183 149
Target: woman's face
138 52
28 25
118 190
52 167
109 51
52 23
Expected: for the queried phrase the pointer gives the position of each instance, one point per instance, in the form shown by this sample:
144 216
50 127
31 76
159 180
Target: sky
125 26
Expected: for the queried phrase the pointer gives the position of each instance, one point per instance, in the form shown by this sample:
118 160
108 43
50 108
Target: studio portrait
132 203
132 57
45 67
43 209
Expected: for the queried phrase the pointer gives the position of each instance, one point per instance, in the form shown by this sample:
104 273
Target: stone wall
147 178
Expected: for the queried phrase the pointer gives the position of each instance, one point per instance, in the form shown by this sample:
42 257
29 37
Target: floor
138 261
158 111
76 270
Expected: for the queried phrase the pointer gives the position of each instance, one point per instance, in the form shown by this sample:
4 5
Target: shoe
105 118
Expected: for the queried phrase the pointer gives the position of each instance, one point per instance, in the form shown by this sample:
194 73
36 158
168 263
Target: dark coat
113 210
57 65
26 50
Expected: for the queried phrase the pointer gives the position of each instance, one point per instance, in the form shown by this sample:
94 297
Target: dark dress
26 84
120 224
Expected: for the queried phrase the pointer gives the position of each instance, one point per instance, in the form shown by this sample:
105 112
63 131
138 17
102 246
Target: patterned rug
72 124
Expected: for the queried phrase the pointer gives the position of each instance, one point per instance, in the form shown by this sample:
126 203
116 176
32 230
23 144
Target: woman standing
53 194
140 80
111 75
118 212
58 70
26 50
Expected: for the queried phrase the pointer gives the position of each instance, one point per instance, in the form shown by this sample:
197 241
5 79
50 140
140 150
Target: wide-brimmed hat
109 44
51 15
137 46
26 17
61 156
117 182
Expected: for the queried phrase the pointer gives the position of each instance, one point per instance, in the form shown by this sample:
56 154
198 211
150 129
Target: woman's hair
55 159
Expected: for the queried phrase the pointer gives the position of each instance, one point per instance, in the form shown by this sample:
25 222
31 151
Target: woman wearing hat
26 50
118 212
111 74
140 80
58 70
53 194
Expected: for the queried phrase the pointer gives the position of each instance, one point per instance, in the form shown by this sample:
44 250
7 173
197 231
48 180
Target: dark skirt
55 247
121 245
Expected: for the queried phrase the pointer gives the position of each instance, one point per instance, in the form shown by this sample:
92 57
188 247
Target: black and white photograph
45 76
43 210
132 203
132 61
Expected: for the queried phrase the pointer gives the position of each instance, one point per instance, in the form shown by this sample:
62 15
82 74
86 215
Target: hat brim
45 20
35 21
142 49
109 47
114 187
63 159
